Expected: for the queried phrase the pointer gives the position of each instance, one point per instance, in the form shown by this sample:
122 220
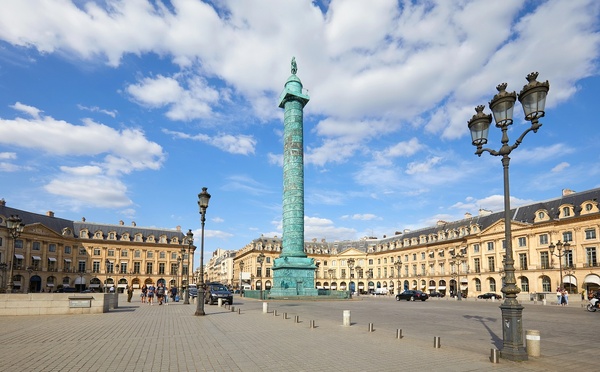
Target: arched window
477 285
546 284
492 285
524 284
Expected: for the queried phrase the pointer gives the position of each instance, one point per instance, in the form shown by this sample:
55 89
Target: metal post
203 197
15 228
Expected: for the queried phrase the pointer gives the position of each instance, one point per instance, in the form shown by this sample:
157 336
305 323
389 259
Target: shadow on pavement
496 341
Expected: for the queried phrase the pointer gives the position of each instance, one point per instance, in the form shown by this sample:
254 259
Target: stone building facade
464 255
53 254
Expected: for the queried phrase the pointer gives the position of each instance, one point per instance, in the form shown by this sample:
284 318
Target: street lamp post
241 283
359 271
398 266
330 272
350 262
203 199
177 275
190 241
29 271
560 254
457 260
15 227
261 259
533 99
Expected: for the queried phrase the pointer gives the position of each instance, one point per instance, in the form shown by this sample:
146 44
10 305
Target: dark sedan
411 295
487 296
436 294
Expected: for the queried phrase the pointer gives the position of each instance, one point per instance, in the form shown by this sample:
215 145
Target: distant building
52 253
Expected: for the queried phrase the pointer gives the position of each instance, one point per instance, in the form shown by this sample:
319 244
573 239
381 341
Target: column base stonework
293 277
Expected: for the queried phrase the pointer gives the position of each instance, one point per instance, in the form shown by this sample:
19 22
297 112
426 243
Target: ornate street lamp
181 259
350 262
330 271
458 259
203 199
15 227
261 259
533 99
559 247
190 241
398 266
241 283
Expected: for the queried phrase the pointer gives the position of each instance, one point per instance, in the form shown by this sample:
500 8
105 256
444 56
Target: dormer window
566 212
541 215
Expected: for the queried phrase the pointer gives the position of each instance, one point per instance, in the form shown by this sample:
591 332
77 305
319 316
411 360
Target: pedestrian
151 290
129 293
160 293
565 297
112 289
558 296
173 293
144 293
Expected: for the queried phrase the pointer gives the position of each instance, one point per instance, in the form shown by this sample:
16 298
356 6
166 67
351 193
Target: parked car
66 290
193 290
214 291
489 295
436 294
411 295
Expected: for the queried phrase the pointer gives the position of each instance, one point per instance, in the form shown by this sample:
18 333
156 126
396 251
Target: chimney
178 228
2 202
50 214
566 192
468 215
441 223
82 219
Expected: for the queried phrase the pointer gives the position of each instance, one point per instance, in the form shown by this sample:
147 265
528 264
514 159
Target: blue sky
123 110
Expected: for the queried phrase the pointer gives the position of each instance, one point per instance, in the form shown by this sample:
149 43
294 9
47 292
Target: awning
333 287
570 279
432 287
464 280
122 285
79 280
19 256
17 283
442 287
50 285
53 259
67 260
414 286
37 258
592 278
463 287
371 287
94 285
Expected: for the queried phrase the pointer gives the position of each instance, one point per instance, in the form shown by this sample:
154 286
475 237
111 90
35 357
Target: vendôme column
293 271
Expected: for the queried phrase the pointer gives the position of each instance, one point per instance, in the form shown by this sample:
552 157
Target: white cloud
32 111
560 167
233 144
361 217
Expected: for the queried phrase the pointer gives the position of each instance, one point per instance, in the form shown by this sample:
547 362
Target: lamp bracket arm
533 128
482 150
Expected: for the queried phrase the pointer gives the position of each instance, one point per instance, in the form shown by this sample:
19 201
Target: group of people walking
150 292
562 297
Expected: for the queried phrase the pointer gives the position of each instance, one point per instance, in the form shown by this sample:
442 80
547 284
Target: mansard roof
54 223
92 227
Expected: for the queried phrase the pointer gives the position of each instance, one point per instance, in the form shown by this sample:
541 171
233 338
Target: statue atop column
294 66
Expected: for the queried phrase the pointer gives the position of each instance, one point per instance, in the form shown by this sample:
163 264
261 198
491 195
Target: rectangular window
492 285
343 272
490 246
19 244
569 258
162 255
590 234
414 256
524 284
173 269
423 269
492 263
137 254
96 251
110 267
523 261
544 239
67 249
422 255
544 260
442 269
149 268
111 253
522 241
36 246
96 266
591 256
51 247
124 253
475 248
478 285
136 267
566 212
161 268
567 237
82 251
149 254
503 245
123 268
268 272
81 266
477 265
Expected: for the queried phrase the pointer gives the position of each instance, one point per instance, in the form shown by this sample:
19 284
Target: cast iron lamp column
190 241
15 227
241 283
398 266
203 199
458 259
351 266
559 246
261 259
533 99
